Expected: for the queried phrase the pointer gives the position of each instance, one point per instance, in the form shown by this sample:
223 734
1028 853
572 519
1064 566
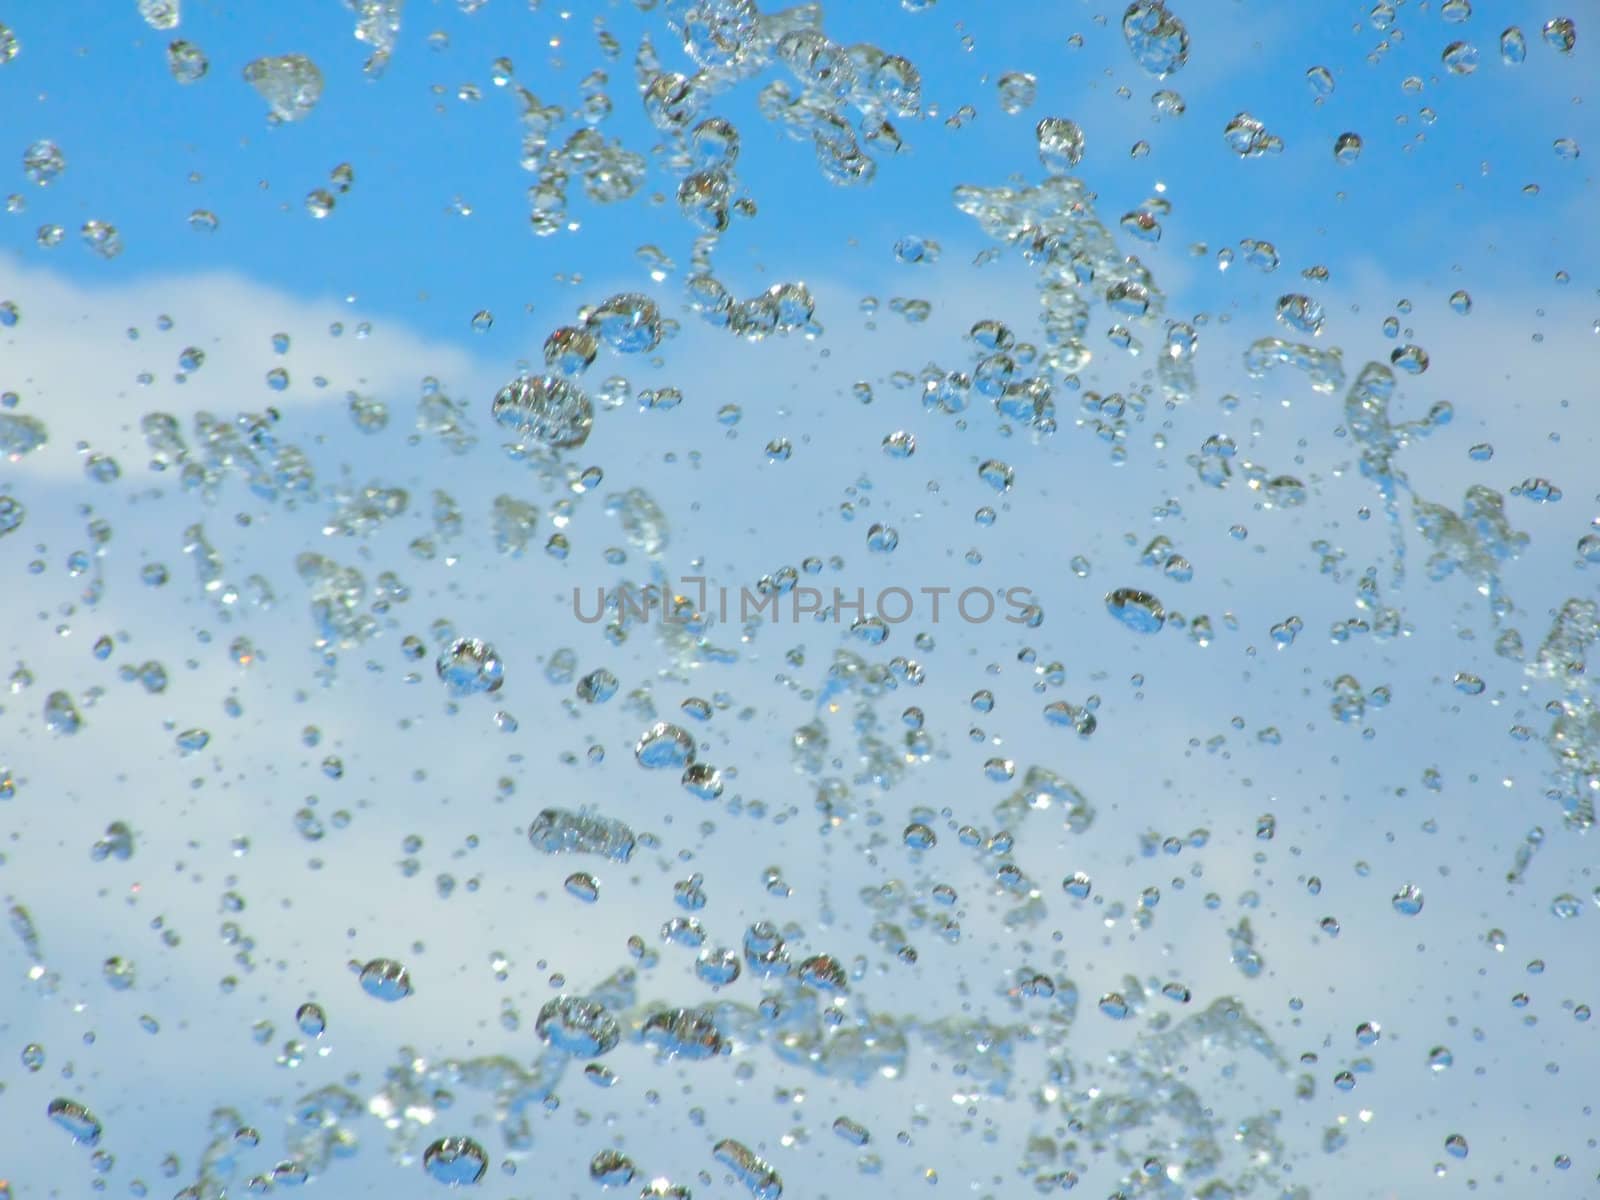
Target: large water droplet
1060 144
582 1028
386 980
76 1119
469 667
627 322
1408 900
546 410
665 746
291 84
455 1161
1139 611
1158 39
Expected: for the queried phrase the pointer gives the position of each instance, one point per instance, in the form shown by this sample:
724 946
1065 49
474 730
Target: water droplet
683 1033
1413 360
1460 58
1248 137
583 886
1513 46
824 973
717 967
1114 1006
101 237
61 714
759 1177
76 1119
1301 313
562 831
1541 491
310 1019
1018 91
1158 39
455 1161
386 980
1060 144
1139 611
882 539
916 250
291 84
43 162
997 475
469 667
186 62
597 687
900 444
160 14
1077 885
581 1028
612 1169
546 410
665 746
627 322
852 1132
1408 900
1561 33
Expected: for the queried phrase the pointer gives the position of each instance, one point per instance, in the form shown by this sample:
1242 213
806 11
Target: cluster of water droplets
1192 1101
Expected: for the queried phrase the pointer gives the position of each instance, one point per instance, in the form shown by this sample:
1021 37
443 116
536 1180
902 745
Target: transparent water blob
291 84
545 410
455 1161
1157 38
469 667
1138 610
665 746
1408 900
1060 144
385 979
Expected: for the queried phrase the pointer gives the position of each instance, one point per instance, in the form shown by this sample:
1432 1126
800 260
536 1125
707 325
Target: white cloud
438 775
75 366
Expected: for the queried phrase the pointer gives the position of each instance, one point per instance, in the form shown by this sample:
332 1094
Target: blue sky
414 149
1178 747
